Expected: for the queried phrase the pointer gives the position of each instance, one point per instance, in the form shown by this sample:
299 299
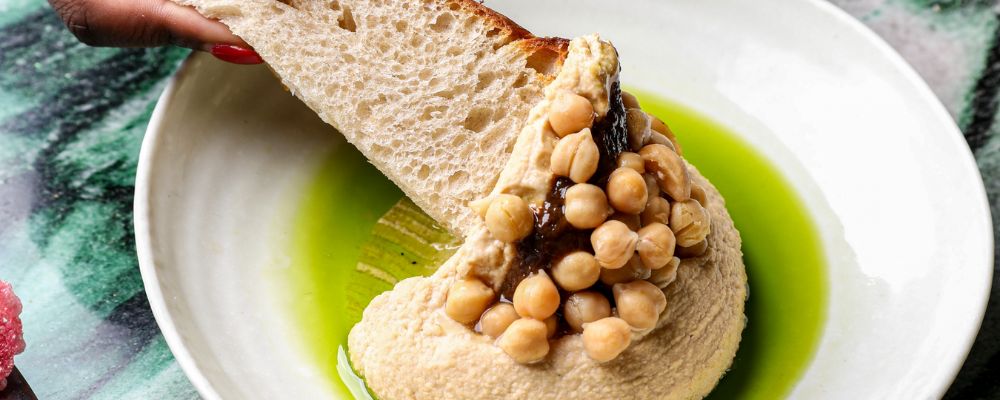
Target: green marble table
72 119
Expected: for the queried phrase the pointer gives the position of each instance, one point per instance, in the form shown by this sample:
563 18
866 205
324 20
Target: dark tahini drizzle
553 236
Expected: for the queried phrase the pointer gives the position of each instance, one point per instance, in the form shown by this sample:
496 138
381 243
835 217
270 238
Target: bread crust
511 30
557 45
514 33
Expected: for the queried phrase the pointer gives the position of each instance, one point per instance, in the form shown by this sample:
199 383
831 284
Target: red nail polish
235 54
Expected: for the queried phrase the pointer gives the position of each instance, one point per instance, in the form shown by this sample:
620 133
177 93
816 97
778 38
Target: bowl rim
143 237
909 74
165 320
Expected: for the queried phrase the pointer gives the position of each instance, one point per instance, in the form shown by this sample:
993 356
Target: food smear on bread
562 286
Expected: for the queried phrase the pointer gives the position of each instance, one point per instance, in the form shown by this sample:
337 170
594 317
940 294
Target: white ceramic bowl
880 165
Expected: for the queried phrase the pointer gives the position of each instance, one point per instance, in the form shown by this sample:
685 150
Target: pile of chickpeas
647 216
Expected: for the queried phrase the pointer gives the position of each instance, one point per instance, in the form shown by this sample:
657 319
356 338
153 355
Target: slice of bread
433 92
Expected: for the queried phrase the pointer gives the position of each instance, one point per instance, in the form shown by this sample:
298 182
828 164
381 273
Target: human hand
149 23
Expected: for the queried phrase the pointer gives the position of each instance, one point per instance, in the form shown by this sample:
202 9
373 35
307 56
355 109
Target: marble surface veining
71 123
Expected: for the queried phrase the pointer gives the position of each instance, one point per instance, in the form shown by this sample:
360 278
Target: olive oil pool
355 236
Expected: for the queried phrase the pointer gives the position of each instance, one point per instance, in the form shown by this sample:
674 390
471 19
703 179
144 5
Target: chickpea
536 297
657 211
629 100
526 341
606 338
669 170
614 244
481 206
627 191
496 320
656 245
570 113
698 194
628 159
467 299
632 270
509 219
586 206
658 126
575 156
658 138
663 277
630 220
576 271
690 222
639 303
584 307
637 125
551 326
620 275
693 251
652 186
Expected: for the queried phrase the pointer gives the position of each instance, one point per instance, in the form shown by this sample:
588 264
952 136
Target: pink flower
11 334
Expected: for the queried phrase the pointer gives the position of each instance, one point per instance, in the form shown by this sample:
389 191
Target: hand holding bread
150 23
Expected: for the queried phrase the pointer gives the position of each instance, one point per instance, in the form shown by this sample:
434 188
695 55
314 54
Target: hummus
406 346
590 68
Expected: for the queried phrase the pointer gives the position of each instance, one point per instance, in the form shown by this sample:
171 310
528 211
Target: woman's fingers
146 23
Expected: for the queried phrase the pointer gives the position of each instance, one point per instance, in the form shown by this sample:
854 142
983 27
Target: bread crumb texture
432 92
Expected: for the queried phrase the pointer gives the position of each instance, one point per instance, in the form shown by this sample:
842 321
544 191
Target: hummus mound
406 347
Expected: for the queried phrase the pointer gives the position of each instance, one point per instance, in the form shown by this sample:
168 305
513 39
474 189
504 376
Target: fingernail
235 54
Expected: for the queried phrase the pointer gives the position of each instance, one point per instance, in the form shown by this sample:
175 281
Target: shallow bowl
876 159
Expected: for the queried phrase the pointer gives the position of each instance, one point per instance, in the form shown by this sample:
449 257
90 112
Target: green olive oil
785 262
334 219
343 255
